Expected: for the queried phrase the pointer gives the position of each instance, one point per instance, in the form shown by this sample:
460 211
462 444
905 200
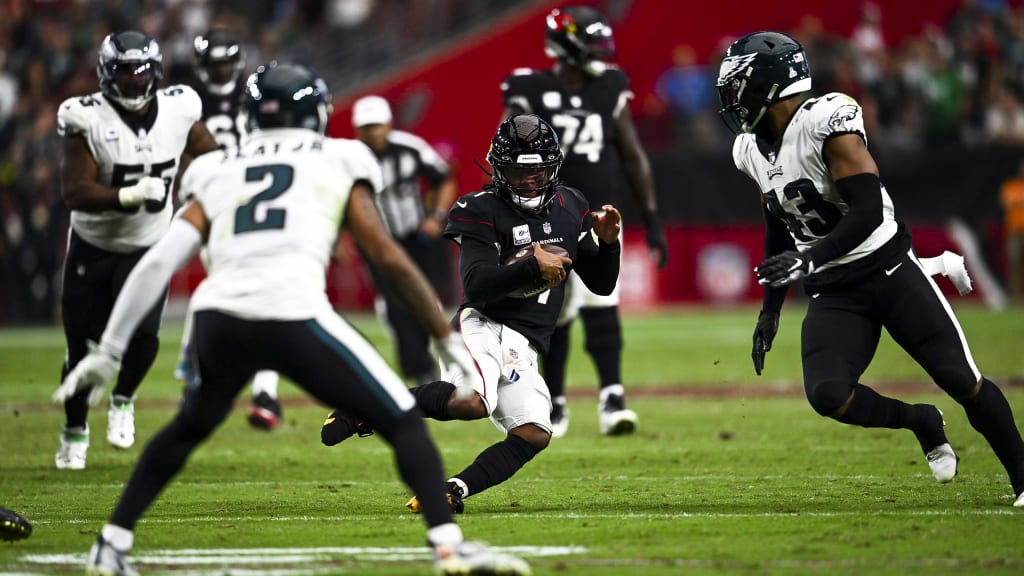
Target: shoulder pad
76 114
835 113
185 99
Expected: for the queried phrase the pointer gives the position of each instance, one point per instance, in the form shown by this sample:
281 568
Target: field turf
728 473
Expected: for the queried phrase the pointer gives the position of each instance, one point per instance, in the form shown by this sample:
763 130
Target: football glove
764 334
784 268
656 242
148 189
457 365
13 526
97 369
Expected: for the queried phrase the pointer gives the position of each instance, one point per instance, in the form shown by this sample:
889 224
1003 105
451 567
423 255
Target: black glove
764 334
656 242
784 268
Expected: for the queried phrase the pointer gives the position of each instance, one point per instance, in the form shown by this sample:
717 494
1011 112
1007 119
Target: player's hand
764 334
148 189
96 370
657 244
607 223
457 366
784 268
552 266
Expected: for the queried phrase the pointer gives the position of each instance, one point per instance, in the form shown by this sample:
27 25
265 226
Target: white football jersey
124 155
796 182
275 207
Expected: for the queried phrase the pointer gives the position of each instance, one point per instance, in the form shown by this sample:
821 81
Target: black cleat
339 426
265 413
453 494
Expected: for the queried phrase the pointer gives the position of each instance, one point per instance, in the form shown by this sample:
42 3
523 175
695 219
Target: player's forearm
86 196
485 281
444 197
641 180
601 272
776 241
863 194
413 288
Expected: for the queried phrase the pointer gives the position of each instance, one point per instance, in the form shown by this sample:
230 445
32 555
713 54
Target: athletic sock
497 463
990 414
603 330
555 360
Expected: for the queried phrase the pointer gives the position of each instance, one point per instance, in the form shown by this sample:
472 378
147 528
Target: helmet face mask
129 69
526 158
757 71
286 96
219 61
579 36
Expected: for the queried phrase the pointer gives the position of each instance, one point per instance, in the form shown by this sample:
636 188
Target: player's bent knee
472 408
534 435
828 397
959 384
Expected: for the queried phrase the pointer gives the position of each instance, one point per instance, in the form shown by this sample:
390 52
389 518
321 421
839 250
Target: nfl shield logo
547 227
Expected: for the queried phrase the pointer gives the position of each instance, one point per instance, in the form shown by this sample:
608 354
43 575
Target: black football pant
841 333
92 281
333 365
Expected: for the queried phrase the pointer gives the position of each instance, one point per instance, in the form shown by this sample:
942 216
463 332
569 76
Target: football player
219 62
510 309
269 213
831 223
123 148
585 98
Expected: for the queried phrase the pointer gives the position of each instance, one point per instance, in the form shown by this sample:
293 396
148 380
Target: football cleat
73 448
105 560
476 558
453 494
265 413
613 416
1019 502
13 526
943 462
339 426
559 417
121 422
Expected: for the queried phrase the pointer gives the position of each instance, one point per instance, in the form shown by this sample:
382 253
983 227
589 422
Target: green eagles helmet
757 71
281 95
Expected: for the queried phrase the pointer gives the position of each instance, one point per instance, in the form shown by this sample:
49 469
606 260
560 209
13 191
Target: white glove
148 189
458 365
97 369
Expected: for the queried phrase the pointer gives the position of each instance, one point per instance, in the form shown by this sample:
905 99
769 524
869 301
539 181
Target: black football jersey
489 218
586 125
222 114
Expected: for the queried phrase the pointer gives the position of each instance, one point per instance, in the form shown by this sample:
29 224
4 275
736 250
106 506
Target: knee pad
827 397
602 328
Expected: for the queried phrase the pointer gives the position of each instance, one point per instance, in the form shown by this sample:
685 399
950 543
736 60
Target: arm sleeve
484 279
147 282
597 263
776 241
863 196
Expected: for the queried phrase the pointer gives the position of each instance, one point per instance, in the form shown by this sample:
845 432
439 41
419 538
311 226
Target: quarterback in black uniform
585 100
514 289
219 63
831 222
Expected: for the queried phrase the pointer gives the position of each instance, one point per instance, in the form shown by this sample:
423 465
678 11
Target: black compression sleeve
484 279
599 269
776 241
863 195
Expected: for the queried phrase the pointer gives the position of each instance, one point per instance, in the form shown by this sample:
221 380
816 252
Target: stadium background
941 83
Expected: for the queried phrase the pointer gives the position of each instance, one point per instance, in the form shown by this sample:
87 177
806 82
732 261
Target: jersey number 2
281 176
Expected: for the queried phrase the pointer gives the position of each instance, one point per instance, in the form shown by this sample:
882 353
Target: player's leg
138 358
411 342
602 329
922 322
555 361
85 305
224 363
839 337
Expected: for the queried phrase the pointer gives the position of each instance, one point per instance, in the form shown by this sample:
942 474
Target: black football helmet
129 68
525 157
219 61
757 71
580 36
282 95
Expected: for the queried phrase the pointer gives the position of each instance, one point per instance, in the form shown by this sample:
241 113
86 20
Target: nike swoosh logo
890 271
582 234
460 204
816 294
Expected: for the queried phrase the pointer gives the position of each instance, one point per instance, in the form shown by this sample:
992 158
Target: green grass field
727 474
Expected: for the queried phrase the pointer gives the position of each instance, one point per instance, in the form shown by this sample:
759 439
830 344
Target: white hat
371 110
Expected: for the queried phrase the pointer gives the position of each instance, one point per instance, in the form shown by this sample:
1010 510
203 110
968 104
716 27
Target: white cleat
121 422
943 462
1019 503
476 558
73 448
613 417
559 417
105 560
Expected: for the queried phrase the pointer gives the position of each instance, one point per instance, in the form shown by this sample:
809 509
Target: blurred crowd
958 84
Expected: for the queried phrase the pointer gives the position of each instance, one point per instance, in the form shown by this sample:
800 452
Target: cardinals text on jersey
797 184
126 149
275 207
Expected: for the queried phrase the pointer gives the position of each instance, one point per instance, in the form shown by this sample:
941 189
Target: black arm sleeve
484 279
776 241
863 194
598 266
